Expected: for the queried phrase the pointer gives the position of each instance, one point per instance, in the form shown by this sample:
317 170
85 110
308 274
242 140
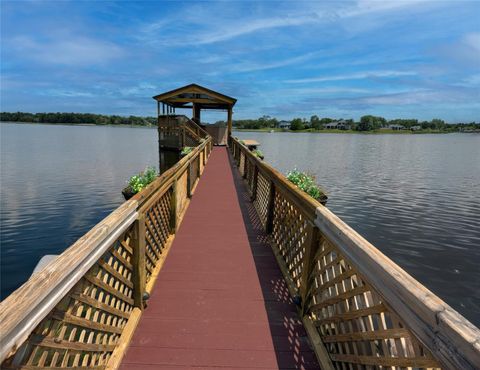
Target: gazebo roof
203 98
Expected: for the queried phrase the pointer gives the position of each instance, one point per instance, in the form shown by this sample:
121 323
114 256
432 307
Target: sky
286 59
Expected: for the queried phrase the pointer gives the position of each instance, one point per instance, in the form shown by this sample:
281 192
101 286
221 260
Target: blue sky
402 59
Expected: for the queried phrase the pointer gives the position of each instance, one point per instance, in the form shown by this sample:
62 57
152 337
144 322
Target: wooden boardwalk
220 300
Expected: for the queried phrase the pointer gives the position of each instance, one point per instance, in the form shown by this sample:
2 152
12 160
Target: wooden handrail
23 310
122 247
346 284
451 338
197 128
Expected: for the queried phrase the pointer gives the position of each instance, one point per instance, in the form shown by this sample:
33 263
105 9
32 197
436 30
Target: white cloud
354 76
465 50
251 67
364 7
472 41
71 51
248 27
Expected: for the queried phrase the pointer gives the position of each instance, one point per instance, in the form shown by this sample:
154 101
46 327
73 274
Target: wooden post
198 167
196 113
270 208
245 166
139 261
173 208
189 180
229 121
255 183
311 246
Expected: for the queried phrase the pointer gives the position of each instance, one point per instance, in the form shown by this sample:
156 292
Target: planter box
127 193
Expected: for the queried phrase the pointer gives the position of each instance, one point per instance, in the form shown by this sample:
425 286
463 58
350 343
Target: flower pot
127 193
322 199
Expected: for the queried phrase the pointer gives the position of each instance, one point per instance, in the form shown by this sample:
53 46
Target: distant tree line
366 123
78 118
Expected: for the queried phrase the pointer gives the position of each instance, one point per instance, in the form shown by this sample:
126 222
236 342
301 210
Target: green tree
315 123
297 124
370 122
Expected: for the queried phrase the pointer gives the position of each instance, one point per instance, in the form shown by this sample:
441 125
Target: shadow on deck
220 299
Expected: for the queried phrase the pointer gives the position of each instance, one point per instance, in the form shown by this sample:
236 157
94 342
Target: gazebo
197 98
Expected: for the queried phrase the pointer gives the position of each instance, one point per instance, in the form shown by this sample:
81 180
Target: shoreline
372 132
275 130
80 124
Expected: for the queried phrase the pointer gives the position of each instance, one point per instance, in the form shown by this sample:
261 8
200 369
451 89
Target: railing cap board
451 338
23 310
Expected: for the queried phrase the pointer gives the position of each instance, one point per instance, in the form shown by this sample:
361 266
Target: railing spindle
173 208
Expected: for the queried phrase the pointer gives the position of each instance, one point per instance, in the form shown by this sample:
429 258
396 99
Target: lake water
415 197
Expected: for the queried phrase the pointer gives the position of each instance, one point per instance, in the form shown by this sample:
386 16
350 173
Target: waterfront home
284 124
396 127
338 125
416 128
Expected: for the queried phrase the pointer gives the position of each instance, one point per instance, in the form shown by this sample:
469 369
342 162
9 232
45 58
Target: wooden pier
220 299
221 262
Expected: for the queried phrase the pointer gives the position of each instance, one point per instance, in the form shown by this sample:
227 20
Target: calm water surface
416 197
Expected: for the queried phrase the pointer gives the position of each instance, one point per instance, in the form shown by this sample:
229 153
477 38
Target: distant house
415 128
338 125
396 127
284 124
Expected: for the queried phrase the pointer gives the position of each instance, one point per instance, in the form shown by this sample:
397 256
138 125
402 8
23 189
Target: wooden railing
81 309
192 126
178 131
360 309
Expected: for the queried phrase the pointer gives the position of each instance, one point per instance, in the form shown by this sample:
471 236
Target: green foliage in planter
186 150
258 153
307 183
137 182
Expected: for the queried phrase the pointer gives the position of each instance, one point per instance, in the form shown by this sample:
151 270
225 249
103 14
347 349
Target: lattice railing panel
262 197
157 230
357 327
289 235
85 326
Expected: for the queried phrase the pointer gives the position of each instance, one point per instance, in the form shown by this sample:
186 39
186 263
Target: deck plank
220 299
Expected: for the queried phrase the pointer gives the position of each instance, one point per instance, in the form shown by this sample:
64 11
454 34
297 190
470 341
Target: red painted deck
220 300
